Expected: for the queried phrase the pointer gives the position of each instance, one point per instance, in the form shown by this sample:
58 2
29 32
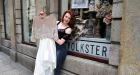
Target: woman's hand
60 41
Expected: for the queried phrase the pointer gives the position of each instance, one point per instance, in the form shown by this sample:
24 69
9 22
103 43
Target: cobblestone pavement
9 67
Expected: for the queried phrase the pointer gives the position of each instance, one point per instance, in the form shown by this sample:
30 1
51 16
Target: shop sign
91 46
79 4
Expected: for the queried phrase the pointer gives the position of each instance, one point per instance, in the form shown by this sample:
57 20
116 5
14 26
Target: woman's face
67 18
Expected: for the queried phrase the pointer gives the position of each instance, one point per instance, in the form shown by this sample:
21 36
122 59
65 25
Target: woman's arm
62 40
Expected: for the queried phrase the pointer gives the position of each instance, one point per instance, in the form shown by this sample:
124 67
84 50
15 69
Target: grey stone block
116 30
82 66
117 10
26 61
6 43
5 50
64 72
18 21
0 39
27 49
13 54
2 29
18 13
3 35
17 4
2 22
18 29
70 63
18 38
114 55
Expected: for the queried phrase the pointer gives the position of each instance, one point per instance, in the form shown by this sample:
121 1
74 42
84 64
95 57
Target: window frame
5 26
22 27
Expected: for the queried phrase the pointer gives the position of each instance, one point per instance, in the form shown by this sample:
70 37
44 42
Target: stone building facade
123 57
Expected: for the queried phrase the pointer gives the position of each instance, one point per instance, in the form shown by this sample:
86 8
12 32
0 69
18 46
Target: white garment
46 57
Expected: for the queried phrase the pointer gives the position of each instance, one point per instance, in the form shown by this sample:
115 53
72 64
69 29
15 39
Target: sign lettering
92 47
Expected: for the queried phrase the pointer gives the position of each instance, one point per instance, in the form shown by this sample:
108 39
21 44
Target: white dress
46 57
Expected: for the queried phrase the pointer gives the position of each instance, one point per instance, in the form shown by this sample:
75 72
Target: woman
64 30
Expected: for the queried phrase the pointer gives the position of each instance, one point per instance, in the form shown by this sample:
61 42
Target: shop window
93 18
7 20
92 31
30 8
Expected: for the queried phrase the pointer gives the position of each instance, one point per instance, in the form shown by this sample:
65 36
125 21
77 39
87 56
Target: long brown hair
72 20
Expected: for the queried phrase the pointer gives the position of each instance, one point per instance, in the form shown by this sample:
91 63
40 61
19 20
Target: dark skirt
61 53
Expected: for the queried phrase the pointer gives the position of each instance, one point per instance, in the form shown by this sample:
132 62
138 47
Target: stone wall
130 39
79 66
115 32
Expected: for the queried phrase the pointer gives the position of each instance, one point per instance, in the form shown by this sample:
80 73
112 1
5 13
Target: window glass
93 18
30 8
7 12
